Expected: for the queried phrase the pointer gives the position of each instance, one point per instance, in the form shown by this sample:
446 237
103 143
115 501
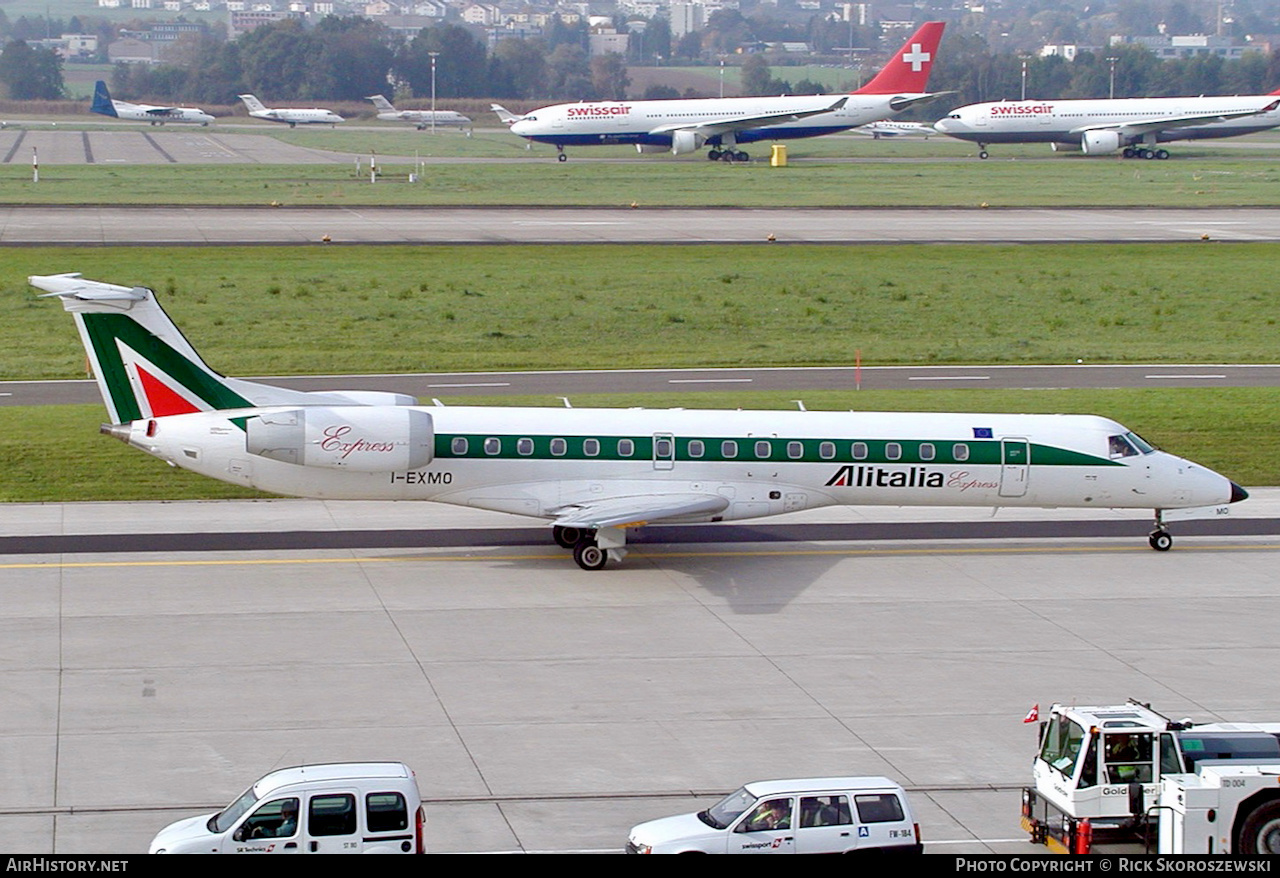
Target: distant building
607 40
1167 48
1066 50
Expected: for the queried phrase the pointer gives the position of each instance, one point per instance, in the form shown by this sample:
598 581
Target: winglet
908 70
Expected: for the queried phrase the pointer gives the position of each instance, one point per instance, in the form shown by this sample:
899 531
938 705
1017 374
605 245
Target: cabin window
662 449
728 449
795 450
960 451
626 448
591 447
696 448
459 445
559 447
859 451
893 451
926 451
524 447
763 449
492 445
826 450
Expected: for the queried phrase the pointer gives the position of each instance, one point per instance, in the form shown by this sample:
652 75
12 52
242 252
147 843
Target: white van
338 808
827 815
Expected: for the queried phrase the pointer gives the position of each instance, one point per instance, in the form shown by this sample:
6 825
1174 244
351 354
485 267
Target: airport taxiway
546 708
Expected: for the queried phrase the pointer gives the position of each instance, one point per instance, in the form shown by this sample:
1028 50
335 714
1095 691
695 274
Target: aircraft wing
636 510
159 111
1189 120
713 127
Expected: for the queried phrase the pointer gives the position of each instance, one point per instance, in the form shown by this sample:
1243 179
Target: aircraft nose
1238 493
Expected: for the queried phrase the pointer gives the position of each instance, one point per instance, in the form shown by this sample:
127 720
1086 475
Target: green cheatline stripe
779 450
104 329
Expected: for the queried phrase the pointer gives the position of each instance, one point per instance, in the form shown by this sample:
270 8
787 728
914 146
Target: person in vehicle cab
774 814
287 826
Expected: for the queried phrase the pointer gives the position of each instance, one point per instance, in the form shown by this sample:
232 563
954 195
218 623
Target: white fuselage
160 115
299 117
426 118
1064 122
655 123
538 461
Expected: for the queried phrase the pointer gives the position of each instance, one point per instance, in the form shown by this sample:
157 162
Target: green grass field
896 173
318 310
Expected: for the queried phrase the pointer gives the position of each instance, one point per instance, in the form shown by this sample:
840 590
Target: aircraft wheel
1148 154
713 155
589 556
982 153
1160 540
566 537
1128 152
562 158
1162 154
741 157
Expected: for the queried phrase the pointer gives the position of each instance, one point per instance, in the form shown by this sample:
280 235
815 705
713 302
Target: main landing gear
728 155
1142 152
591 548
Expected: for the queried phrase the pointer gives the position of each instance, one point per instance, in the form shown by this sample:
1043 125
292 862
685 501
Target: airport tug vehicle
1105 771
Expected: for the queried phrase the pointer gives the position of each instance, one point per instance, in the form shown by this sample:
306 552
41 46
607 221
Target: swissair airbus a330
685 126
594 473
1133 126
156 115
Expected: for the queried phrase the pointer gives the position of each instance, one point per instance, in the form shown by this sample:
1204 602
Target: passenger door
1015 459
826 825
332 824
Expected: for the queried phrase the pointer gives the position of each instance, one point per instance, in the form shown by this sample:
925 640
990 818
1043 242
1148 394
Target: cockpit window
1119 446
1139 443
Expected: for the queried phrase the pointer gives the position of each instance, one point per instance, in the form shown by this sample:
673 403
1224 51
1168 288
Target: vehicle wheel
589 556
1261 832
1162 154
982 153
566 537
1160 540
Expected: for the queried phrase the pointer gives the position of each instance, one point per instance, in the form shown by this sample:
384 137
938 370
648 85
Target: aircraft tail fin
254 105
908 70
146 368
383 105
102 100
504 114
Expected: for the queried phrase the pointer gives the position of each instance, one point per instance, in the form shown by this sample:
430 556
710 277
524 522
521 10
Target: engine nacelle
686 141
643 148
1066 147
358 438
1100 142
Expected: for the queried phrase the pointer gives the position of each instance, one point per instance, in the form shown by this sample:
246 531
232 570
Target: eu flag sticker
981 432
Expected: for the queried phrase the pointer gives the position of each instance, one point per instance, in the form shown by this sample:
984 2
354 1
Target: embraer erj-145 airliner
594 473
290 115
105 106
1131 125
422 119
684 126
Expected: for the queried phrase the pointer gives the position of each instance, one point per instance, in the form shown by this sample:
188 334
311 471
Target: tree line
352 57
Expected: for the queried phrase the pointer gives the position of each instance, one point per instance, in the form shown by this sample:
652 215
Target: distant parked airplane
423 119
290 116
684 126
1133 126
104 105
890 128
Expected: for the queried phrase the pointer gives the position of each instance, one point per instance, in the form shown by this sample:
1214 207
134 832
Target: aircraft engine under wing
640 509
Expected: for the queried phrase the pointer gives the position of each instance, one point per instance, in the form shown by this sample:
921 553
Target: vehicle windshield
1061 746
724 812
227 818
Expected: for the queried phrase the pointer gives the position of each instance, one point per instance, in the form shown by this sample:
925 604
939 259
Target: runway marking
479 555
1204 377
710 380
489 384
949 378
